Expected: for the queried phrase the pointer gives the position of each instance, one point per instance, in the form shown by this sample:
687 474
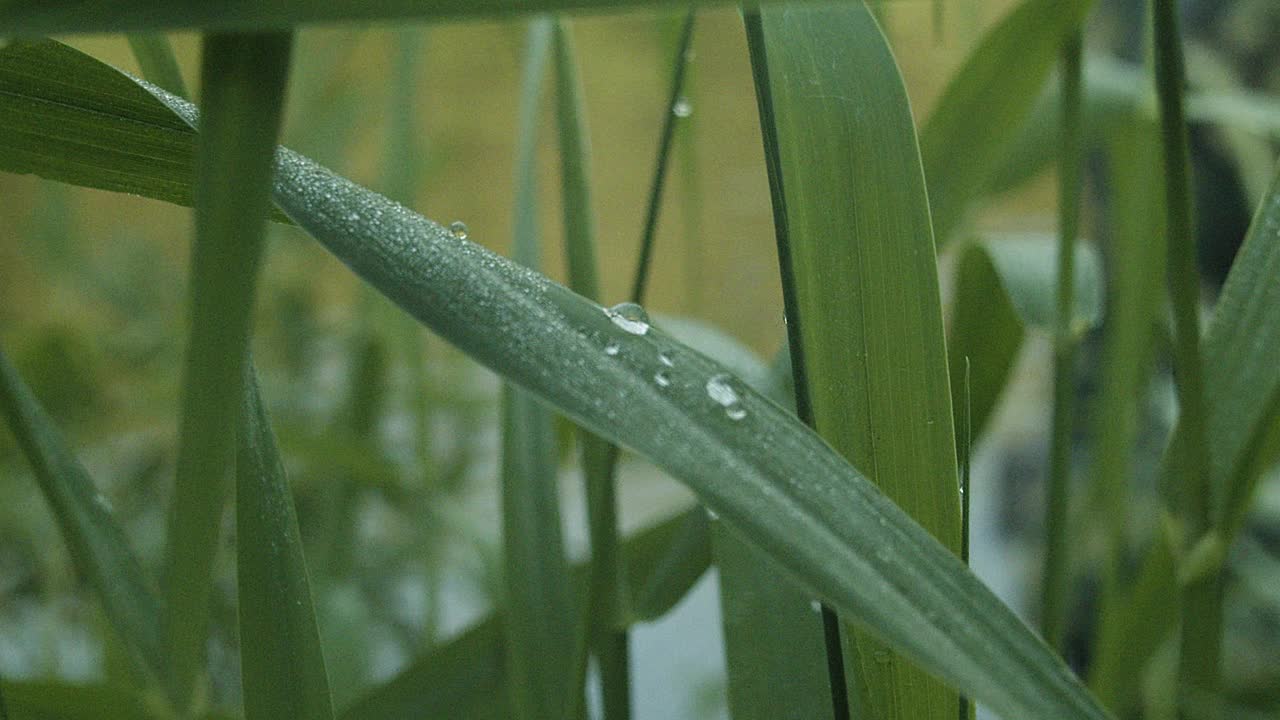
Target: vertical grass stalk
1202 598
1054 588
606 634
673 116
244 78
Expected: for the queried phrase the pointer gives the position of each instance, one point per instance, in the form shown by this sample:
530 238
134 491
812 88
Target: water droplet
682 108
458 230
735 412
665 359
720 389
630 317
712 514
612 348
815 606
662 378
354 217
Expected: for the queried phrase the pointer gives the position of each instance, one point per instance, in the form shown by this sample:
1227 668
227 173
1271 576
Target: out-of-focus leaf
243 83
748 459
541 619
986 103
1005 287
466 679
281 666
97 544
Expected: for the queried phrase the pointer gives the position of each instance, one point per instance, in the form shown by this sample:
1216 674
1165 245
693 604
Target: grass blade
794 496
244 81
1053 587
157 62
605 640
541 618
281 664
864 302
97 545
985 104
669 121
1202 599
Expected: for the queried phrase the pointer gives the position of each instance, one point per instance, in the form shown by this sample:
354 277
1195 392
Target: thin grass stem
158 64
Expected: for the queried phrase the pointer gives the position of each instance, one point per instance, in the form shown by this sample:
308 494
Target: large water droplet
665 359
458 230
612 348
720 389
630 317
682 108
815 606
662 378
735 412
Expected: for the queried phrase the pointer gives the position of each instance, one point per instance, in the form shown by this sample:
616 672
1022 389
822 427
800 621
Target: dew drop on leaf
458 230
630 317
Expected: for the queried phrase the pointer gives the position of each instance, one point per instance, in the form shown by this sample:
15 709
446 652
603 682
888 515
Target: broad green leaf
604 607
281 665
243 80
541 620
1004 288
767 474
466 679
98 547
862 296
132 146
985 104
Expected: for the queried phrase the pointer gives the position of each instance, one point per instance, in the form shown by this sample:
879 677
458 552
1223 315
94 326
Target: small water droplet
630 317
458 230
682 108
665 359
662 378
735 412
815 606
712 514
612 348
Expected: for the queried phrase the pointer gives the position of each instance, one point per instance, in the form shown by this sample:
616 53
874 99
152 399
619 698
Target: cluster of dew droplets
720 388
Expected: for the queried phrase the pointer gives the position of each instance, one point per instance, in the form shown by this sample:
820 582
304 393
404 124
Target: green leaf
44 700
467 677
774 479
157 62
95 541
541 619
985 104
861 288
1004 287
281 666
599 458
244 80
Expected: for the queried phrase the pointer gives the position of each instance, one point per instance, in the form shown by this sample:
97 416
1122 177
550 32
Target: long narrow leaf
774 479
541 618
281 665
985 104
864 302
244 81
98 547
